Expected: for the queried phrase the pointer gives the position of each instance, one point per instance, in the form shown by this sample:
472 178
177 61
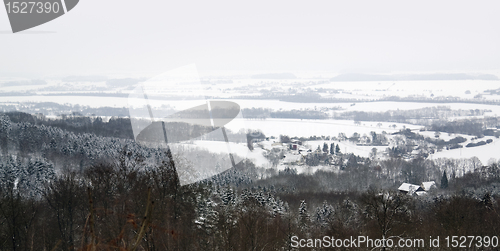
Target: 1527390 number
471 241
32 7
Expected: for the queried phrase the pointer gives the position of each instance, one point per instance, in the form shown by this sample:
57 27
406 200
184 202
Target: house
293 159
428 185
304 151
294 144
411 189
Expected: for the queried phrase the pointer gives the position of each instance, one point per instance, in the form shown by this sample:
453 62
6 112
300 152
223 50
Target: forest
89 186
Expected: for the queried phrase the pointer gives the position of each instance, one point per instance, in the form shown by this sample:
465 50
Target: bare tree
386 209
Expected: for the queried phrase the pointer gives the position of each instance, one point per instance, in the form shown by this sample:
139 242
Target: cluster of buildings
419 190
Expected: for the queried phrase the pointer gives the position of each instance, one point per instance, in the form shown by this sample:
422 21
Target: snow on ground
445 88
306 128
73 100
345 147
307 169
249 103
256 156
54 86
390 105
444 136
484 153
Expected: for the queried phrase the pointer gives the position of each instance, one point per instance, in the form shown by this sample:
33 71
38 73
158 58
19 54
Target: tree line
117 206
61 190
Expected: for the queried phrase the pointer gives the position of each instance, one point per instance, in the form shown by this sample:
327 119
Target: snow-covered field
484 153
244 86
465 89
446 88
249 103
387 105
306 128
241 150
346 147
444 136
72 100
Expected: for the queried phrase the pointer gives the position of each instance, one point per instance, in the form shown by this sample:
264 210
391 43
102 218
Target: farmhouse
304 151
411 189
293 159
295 143
428 185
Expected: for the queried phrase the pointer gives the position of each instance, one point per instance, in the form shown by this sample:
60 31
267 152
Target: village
325 153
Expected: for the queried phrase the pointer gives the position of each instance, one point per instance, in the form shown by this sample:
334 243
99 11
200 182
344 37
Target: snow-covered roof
421 193
304 153
410 188
291 158
428 185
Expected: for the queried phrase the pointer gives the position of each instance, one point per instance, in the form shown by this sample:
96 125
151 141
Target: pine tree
325 147
332 148
337 149
8 174
444 181
5 127
324 214
207 215
303 215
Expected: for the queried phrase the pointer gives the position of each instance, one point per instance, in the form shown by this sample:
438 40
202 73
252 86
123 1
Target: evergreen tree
325 147
337 149
303 215
324 214
444 181
332 148
303 209
207 215
5 127
352 161
9 172
373 153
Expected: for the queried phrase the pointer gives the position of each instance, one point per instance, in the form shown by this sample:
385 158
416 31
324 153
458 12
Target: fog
147 38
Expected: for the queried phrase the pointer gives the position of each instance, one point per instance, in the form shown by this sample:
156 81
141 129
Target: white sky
150 37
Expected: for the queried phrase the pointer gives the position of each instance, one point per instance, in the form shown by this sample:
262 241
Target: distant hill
274 76
21 83
122 82
412 77
84 79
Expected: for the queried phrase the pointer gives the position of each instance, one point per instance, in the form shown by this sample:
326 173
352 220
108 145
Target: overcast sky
150 37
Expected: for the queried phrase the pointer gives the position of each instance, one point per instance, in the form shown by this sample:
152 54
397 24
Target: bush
481 143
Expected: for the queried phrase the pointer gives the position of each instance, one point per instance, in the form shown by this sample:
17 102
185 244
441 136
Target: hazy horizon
146 39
